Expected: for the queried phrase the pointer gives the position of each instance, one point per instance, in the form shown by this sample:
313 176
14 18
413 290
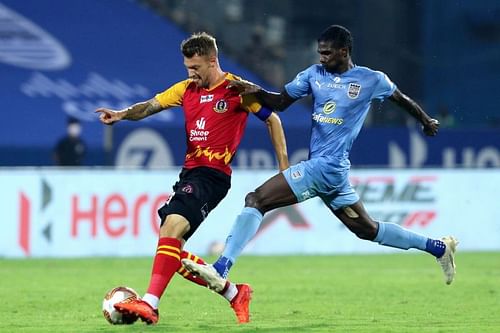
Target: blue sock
222 266
391 234
435 247
244 228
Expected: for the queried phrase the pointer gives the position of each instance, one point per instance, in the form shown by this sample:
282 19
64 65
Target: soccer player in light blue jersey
342 94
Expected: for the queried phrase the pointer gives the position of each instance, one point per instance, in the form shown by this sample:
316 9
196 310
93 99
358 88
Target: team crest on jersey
353 90
221 106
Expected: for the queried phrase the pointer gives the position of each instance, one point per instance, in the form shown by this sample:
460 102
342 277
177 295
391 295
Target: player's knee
255 200
251 200
174 227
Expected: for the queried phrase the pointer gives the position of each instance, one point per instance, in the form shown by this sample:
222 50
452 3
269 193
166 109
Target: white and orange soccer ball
116 295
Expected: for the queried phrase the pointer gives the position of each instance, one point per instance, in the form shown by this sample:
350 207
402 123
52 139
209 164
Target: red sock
166 263
186 274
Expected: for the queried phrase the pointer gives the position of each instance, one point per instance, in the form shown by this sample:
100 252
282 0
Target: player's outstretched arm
134 112
430 126
271 100
278 138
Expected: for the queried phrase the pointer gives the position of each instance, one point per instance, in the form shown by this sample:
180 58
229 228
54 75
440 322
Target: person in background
70 150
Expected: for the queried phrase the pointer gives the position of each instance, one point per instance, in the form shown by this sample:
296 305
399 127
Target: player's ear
344 52
213 60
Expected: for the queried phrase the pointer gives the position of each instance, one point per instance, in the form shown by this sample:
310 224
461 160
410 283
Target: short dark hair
338 35
201 44
73 120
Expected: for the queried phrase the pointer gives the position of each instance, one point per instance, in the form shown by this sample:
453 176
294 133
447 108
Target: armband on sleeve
263 113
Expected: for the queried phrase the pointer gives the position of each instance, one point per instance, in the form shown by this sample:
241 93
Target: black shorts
198 191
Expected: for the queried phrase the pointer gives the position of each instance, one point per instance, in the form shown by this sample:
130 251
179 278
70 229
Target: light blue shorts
323 178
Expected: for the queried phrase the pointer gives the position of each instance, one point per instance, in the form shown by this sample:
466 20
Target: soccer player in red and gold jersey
215 119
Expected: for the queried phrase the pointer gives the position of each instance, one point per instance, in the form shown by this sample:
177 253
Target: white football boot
207 273
447 260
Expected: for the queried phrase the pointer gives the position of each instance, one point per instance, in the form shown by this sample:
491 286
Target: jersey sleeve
250 104
174 95
300 86
384 87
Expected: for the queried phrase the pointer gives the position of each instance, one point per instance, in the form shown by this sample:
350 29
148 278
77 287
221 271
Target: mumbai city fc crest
329 107
353 90
221 106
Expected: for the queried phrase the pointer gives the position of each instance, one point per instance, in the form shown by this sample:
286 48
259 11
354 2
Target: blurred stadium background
63 59
60 60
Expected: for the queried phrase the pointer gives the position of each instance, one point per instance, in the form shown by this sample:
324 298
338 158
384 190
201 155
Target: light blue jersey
341 103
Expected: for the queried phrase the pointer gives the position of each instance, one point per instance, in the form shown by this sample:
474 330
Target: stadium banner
93 212
153 146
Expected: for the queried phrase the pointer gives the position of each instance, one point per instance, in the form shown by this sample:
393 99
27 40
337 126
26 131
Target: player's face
331 58
198 68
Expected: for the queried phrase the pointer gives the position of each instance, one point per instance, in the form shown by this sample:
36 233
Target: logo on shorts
306 194
221 106
187 189
353 90
296 174
204 211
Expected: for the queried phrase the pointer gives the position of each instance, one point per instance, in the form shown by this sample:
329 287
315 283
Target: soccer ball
117 295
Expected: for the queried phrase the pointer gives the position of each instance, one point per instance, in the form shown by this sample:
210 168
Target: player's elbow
281 106
273 120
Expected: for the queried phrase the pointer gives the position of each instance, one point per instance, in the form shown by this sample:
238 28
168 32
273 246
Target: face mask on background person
74 130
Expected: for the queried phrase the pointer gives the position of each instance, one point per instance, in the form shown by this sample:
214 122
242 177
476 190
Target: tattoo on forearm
142 110
150 109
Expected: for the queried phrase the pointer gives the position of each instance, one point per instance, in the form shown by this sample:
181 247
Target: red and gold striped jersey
215 120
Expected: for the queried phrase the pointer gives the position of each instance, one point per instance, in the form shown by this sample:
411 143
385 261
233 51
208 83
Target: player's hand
108 116
431 127
243 87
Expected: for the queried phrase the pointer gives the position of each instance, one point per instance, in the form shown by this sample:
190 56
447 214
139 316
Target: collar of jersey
218 84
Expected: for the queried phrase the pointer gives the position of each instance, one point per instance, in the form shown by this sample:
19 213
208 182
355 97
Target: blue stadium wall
66 58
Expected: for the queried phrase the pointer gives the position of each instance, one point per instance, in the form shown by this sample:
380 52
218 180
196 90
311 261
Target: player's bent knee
251 200
175 226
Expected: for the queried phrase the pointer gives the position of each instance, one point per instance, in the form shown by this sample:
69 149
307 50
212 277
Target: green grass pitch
360 293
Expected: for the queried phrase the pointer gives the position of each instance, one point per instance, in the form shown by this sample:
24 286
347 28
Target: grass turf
373 293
